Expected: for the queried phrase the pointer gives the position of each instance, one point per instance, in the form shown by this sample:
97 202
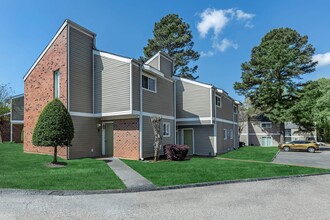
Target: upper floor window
235 109
166 129
266 125
287 132
149 83
218 101
57 84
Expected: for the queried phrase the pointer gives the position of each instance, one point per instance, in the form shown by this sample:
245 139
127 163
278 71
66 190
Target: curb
143 189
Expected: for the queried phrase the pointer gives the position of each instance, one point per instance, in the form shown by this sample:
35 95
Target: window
266 125
287 132
57 84
266 141
149 83
225 134
235 109
166 129
231 133
218 101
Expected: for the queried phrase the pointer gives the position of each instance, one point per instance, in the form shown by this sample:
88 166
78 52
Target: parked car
300 145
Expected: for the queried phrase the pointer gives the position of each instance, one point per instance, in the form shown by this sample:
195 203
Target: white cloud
224 45
323 59
216 20
212 19
207 54
241 15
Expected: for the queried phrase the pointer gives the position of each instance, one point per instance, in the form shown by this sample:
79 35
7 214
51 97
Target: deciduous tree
54 127
5 93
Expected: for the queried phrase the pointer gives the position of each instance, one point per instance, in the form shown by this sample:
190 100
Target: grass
264 154
29 171
198 170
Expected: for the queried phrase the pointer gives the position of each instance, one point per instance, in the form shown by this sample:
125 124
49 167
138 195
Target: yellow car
300 145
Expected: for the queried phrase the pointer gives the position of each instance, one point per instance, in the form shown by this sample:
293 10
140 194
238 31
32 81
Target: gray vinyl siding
112 85
166 66
192 100
224 146
81 72
87 138
154 63
148 137
203 139
226 111
162 101
18 109
136 87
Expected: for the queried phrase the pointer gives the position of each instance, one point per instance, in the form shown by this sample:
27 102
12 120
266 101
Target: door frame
193 137
103 135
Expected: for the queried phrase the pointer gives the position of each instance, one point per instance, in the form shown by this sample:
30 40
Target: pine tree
54 127
173 36
272 77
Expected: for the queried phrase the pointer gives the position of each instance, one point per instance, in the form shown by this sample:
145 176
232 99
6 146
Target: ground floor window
166 129
266 141
225 134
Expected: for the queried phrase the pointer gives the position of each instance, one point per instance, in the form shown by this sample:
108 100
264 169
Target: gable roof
59 31
157 54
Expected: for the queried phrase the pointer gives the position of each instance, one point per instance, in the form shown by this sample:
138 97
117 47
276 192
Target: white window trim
151 77
225 134
217 96
169 129
271 140
266 123
57 74
235 112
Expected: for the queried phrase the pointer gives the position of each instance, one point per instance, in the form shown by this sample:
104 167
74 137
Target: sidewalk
130 177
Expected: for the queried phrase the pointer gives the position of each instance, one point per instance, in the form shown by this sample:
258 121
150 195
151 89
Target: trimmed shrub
175 151
54 127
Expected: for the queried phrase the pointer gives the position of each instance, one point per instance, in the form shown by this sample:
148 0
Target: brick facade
126 137
38 90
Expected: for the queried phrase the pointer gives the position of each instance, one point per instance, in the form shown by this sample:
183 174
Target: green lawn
29 171
264 154
198 170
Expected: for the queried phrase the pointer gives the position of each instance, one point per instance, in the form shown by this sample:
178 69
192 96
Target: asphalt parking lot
319 159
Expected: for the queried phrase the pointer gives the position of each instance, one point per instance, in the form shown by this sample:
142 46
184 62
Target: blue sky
224 31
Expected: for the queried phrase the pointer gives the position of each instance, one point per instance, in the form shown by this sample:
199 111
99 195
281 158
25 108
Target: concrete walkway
130 177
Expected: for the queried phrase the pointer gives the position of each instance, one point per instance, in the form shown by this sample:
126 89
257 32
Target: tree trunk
282 133
55 155
156 121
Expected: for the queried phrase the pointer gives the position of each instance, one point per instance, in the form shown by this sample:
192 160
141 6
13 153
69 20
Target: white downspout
141 115
215 130
174 109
